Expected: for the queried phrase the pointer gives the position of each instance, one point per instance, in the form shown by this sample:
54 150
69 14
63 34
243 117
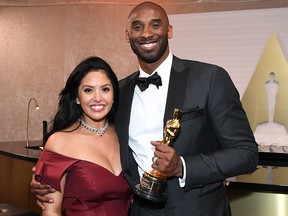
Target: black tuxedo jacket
216 140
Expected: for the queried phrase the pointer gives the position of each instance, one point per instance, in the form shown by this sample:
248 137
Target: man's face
148 31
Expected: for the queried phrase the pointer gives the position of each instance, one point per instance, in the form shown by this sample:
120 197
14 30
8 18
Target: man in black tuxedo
215 142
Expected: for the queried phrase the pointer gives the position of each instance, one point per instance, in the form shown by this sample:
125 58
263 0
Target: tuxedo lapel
176 89
127 87
126 97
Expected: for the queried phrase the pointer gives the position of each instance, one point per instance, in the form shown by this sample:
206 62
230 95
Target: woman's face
95 96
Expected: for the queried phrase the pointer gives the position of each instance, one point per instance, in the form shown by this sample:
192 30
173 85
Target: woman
81 159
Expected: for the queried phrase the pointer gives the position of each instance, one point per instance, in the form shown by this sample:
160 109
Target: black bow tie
143 83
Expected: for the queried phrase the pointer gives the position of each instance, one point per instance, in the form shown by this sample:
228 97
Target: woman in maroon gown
81 159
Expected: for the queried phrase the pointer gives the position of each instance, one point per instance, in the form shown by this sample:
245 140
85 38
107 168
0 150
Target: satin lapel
126 98
123 117
176 89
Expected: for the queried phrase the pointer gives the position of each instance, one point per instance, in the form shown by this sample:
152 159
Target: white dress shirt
147 115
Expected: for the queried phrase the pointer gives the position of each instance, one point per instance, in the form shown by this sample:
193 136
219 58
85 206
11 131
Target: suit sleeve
236 151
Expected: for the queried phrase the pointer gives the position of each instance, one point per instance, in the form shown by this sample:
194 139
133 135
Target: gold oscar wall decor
265 99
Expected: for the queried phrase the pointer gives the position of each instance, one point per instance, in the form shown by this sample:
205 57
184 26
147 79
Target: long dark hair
68 111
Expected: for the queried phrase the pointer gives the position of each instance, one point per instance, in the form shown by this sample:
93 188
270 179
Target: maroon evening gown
90 189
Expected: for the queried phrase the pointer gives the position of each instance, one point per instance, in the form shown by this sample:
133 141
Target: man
215 141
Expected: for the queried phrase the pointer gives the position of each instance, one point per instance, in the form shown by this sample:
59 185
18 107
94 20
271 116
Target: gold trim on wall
171 6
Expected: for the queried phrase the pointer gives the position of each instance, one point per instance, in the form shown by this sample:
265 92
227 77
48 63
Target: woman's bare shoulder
56 141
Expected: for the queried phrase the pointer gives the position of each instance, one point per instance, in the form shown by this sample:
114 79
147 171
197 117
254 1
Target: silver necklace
98 132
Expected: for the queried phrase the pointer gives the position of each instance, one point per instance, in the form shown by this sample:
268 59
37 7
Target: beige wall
42 42
41 45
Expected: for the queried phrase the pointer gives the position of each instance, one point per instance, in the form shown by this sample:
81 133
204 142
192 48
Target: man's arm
40 191
223 140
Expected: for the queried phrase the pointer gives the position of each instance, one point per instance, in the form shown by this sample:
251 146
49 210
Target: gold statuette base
152 187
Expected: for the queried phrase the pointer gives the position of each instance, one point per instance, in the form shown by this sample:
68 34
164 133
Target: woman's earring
77 101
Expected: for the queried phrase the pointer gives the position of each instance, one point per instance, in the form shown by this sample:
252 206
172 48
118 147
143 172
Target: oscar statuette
153 183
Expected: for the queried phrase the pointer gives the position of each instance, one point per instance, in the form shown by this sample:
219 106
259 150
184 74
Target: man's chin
149 59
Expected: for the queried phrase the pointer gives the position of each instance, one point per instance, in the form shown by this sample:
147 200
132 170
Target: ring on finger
154 159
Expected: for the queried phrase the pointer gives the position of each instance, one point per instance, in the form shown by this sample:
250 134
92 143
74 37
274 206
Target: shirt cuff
182 180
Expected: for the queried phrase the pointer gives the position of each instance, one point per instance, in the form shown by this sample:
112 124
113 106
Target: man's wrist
179 172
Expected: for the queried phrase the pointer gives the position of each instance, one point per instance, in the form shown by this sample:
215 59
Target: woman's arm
55 208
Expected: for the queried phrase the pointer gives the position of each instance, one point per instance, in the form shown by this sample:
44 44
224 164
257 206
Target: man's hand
169 162
40 191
